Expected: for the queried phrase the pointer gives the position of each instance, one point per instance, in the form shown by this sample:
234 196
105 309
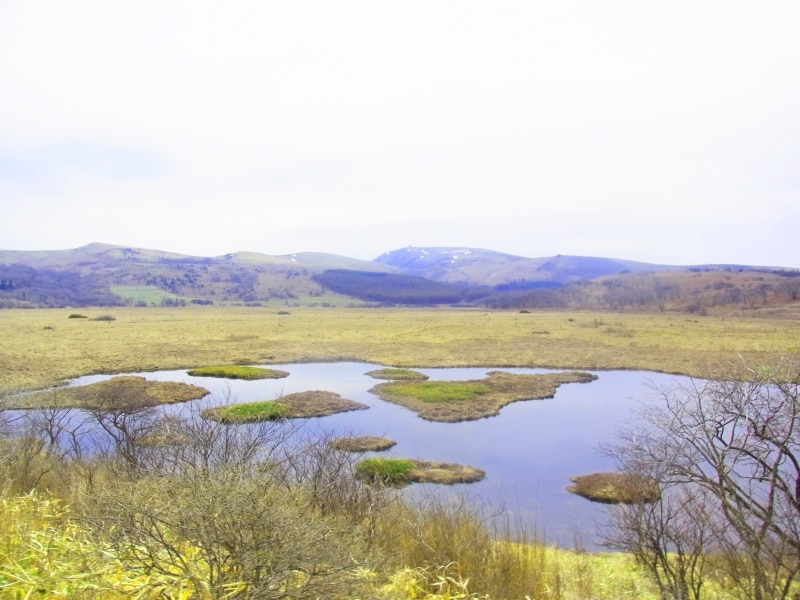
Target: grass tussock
397 374
614 488
237 372
363 443
452 401
398 472
124 392
247 412
386 471
301 405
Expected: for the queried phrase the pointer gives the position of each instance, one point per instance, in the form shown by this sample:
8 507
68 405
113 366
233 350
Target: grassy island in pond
247 412
124 392
292 406
238 372
398 472
364 443
614 488
398 374
452 401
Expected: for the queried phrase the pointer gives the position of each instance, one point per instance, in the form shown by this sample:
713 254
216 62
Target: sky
660 131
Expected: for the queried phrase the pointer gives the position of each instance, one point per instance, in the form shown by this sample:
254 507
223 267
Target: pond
528 451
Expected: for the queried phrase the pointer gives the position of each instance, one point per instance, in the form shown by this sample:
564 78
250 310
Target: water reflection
528 451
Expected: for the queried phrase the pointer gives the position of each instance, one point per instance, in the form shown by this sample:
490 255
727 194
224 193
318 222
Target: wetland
525 455
528 451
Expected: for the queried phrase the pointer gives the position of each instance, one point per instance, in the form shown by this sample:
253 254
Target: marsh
528 451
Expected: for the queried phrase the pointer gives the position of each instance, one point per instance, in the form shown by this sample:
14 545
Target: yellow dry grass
44 347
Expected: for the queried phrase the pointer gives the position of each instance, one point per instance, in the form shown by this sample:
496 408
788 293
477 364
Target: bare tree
792 288
125 430
670 538
328 477
45 446
726 453
192 445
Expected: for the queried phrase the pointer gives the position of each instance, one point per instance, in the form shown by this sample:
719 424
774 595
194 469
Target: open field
43 347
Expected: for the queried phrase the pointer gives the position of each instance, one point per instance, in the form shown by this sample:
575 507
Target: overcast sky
663 131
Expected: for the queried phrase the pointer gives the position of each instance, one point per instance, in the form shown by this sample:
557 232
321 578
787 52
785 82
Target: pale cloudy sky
663 131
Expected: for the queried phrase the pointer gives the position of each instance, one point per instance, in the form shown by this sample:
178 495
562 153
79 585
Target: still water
528 451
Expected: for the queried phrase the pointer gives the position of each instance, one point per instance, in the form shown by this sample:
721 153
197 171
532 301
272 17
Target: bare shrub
232 533
44 449
726 454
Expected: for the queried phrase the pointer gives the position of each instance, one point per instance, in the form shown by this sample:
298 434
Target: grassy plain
42 347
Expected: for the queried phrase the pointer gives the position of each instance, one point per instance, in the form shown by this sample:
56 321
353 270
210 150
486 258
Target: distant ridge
101 274
487 267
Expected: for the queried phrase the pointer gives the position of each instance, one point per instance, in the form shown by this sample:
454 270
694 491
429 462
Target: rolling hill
108 275
135 275
486 267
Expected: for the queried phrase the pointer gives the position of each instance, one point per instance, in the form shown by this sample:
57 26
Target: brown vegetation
126 392
364 443
614 488
399 472
426 471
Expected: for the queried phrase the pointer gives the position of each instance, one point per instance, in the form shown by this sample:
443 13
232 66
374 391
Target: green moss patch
614 488
398 472
246 412
126 392
452 401
292 406
434 392
397 374
386 471
238 372
364 443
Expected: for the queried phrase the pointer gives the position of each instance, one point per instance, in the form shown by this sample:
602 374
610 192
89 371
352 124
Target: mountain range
109 275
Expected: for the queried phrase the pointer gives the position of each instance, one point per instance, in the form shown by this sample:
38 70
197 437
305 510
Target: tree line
395 289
